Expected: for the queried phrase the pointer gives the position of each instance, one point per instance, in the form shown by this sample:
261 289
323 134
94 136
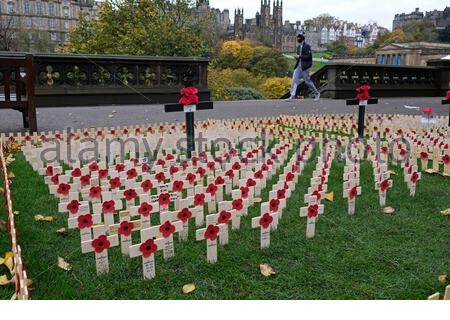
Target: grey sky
362 11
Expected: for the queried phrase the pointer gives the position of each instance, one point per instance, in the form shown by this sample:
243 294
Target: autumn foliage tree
143 27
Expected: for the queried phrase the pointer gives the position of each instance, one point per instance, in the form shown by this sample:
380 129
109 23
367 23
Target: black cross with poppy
447 102
178 107
362 109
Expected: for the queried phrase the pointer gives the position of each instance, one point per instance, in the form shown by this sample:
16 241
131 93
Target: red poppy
251 183
446 159
132 173
93 166
28 138
190 177
403 153
145 209
102 174
184 164
120 167
244 192
178 186
353 193
95 192
384 185
189 96
125 131
230 174
173 170
414 177
160 177
203 154
423 156
290 177
55 179
244 161
211 165
49 171
160 162
211 189
126 228
199 199
219 181
384 150
85 180
101 244
281 194
164 200
274 205
147 185
201 171
76 173
85 221
109 206
265 221
43 137
313 211
145 167
73 207
115 183
211 232
238 204
130 194
236 166
148 248
184 215
258 175
63 189
224 217
194 161
167 229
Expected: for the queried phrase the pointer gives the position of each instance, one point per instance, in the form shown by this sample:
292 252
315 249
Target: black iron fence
78 80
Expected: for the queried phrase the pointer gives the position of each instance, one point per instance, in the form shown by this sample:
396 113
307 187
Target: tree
444 35
396 36
33 40
6 33
142 27
421 31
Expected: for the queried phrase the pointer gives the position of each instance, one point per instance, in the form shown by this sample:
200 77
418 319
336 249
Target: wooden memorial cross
312 212
265 222
447 102
189 104
125 229
362 100
210 234
100 246
146 249
383 186
351 194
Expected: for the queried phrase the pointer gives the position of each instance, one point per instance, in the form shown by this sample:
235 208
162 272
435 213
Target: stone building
411 54
221 18
441 19
54 17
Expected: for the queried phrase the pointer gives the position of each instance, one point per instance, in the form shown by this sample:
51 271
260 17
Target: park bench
17 88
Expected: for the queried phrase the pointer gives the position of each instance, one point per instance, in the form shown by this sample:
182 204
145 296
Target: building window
26 7
52 24
399 59
383 59
39 8
66 25
28 22
394 59
11 8
53 36
40 22
51 9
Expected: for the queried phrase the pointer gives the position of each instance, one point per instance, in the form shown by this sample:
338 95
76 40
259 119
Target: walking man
304 63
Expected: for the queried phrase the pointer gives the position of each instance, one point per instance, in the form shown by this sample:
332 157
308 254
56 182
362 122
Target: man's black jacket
305 56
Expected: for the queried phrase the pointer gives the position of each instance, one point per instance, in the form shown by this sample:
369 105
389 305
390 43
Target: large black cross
362 112
190 131
447 102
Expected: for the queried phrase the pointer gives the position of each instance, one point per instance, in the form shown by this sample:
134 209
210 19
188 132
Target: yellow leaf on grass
4 281
16 212
266 270
388 210
63 264
40 217
9 261
2 191
392 172
188 288
62 231
443 278
330 196
446 213
430 171
11 175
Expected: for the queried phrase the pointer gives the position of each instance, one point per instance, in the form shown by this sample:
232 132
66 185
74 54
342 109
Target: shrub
275 88
219 80
241 93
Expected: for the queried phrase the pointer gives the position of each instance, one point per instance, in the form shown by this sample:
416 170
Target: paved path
103 116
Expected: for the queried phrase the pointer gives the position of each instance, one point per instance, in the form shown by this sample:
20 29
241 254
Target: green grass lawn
366 256
316 65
